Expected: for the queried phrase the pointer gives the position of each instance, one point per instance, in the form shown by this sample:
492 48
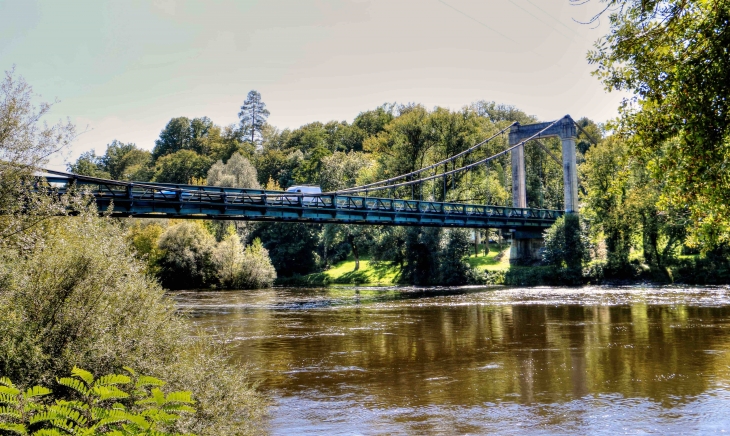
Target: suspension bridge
384 202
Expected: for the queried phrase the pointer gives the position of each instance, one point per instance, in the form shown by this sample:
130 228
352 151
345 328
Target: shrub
566 247
452 269
236 173
78 297
240 268
256 269
186 261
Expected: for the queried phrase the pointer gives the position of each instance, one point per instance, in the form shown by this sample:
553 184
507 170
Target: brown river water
372 361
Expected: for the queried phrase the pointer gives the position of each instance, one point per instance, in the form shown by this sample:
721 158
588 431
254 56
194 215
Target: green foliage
186 261
113 404
236 173
452 269
144 238
566 245
119 162
73 301
25 145
89 164
292 246
256 269
181 167
673 56
239 268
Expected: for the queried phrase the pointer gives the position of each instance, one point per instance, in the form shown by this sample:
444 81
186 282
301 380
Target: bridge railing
197 197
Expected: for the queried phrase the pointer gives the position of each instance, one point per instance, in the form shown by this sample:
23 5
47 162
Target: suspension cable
444 174
432 166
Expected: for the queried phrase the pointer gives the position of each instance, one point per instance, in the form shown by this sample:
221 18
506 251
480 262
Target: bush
78 297
236 173
452 269
240 268
186 261
256 269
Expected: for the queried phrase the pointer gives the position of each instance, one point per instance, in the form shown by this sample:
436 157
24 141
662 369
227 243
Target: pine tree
253 114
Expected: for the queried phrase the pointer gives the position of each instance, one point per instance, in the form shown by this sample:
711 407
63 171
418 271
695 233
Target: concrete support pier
527 246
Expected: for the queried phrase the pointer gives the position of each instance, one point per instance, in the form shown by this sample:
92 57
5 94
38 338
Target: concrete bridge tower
526 246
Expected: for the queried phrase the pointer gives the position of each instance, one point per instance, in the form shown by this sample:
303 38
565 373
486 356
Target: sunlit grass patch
380 273
492 261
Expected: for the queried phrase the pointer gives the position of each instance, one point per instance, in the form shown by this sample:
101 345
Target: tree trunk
357 257
476 243
355 253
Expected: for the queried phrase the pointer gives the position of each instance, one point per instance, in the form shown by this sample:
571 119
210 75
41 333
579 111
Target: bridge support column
519 187
570 171
526 248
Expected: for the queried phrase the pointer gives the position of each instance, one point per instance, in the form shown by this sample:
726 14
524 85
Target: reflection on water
479 360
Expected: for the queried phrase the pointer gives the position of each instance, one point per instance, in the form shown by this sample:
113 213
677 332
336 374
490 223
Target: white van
305 189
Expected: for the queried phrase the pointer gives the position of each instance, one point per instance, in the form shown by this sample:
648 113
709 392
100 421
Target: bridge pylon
527 247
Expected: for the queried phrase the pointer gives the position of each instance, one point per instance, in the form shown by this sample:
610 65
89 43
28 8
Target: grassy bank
491 266
343 273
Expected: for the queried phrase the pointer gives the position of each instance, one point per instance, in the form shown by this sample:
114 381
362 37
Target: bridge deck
160 200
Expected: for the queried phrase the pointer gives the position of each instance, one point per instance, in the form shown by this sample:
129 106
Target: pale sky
125 68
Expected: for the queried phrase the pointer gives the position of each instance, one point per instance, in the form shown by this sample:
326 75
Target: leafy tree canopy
673 56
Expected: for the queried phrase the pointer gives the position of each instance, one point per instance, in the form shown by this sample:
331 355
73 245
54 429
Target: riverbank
494 268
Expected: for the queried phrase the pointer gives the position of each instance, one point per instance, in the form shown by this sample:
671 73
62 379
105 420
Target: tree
236 173
173 138
89 164
452 268
566 246
25 145
607 181
253 114
292 246
256 269
374 121
181 167
673 56
200 135
186 261
340 170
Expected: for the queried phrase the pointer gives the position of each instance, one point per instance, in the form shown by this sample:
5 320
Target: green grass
490 262
383 273
386 273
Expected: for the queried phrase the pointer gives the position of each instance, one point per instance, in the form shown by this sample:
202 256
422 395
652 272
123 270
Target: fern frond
4 381
146 380
139 421
131 372
48 432
109 393
64 425
178 408
9 390
159 415
8 399
33 407
9 412
14 428
112 379
83 375
68 413
185 397
43 417
37 391
74 384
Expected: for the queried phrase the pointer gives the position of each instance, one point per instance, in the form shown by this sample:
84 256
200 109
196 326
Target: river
592 360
